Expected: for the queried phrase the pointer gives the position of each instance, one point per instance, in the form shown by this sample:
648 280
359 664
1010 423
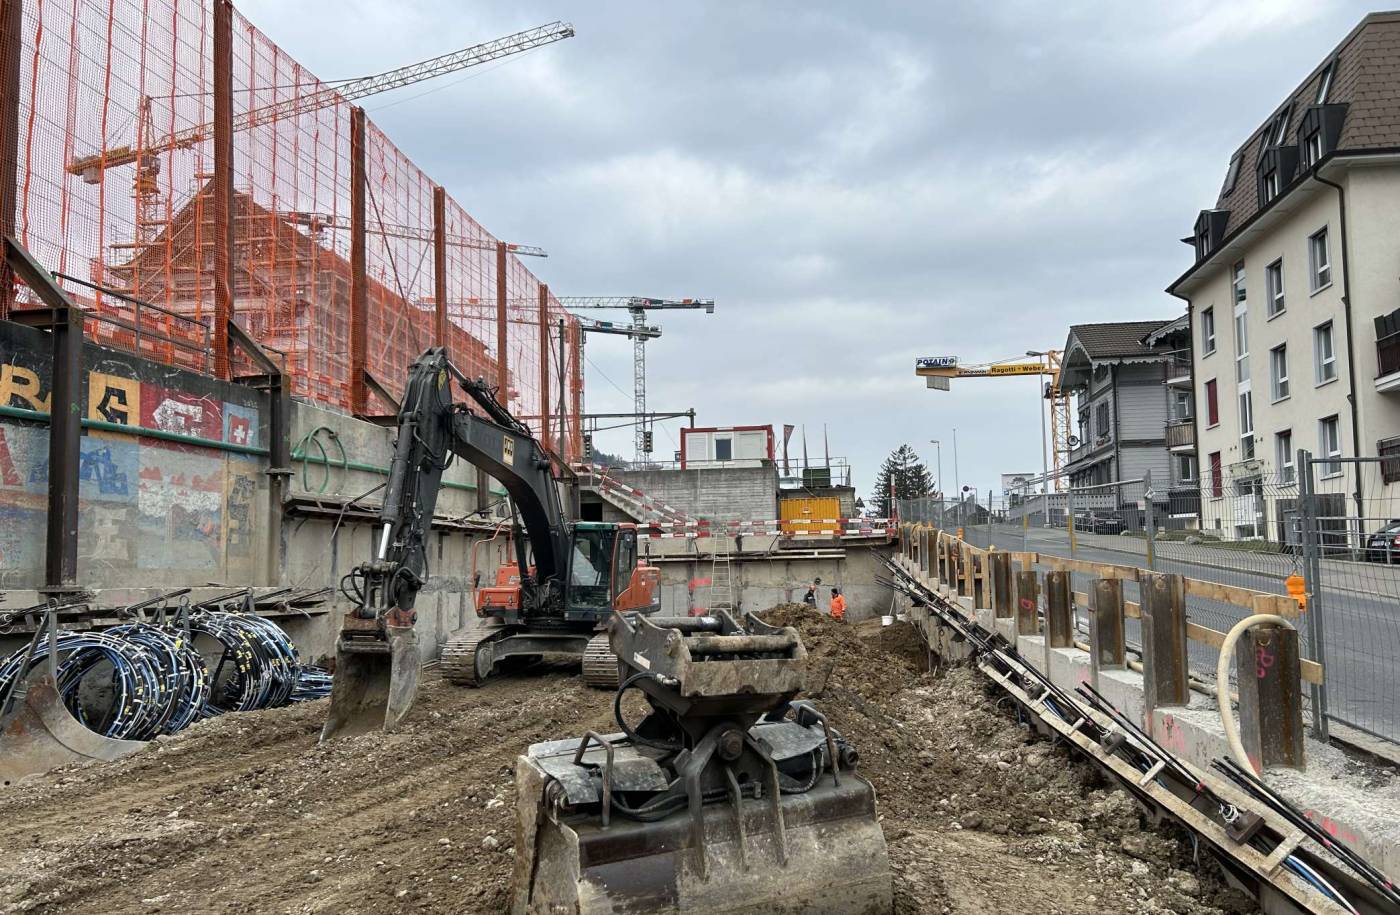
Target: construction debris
249 813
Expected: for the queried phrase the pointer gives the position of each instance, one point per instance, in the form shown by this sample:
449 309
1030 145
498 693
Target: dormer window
1209 230
1232 174
1312 148
1324 83
1319 129
1276 131
1276 169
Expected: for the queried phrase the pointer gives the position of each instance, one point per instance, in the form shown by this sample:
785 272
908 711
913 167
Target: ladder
721 577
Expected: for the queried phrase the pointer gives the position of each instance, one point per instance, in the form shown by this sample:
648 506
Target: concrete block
1123 688
1032 650
1006 628
1068 667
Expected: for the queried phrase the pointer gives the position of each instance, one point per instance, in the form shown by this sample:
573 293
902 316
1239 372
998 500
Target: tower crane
938 372
147 148
321 222
637 307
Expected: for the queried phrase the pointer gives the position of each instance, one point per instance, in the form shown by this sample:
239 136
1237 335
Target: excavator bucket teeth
42 735
375 683
828 857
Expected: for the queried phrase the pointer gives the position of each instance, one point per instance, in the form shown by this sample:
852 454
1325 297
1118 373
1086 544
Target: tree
906 474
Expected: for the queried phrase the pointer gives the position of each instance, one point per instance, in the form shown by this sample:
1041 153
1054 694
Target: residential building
1121 400
1293 296
1180 495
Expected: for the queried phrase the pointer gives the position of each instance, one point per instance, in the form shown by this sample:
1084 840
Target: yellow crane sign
939 371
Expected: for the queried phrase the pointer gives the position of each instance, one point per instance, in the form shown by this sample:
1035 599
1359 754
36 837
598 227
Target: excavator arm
377 654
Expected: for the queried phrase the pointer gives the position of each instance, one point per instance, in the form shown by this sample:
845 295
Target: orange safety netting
116 188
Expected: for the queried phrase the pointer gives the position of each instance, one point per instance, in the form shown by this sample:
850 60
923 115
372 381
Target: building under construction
291 447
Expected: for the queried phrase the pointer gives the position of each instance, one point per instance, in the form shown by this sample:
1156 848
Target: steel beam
1271 697
1107 646
11 47
440 268
1059 611
1027 603
359 283
545 349
502 329
224 217
1003 602
1164 670
64 322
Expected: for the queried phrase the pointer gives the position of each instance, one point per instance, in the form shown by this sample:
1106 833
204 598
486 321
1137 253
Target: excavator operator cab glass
590 567
626 561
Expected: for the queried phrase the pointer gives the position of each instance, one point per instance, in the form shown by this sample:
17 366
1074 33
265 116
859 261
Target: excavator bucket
41 734
819 852
376 680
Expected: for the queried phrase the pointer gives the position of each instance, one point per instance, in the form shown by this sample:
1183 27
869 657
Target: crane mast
637 307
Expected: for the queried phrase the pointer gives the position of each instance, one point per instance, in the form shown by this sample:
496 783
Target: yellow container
810 516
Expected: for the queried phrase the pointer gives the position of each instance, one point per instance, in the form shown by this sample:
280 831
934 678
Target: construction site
316 594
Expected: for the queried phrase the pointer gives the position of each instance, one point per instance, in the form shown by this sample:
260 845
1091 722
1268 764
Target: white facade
1282 356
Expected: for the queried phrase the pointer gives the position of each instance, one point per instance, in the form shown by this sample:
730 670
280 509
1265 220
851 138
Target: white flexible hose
1222 683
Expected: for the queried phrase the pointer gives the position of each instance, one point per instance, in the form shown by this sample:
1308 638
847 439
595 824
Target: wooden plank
1312 671
1247 598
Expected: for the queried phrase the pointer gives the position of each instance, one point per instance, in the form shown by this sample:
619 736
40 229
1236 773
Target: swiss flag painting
240 425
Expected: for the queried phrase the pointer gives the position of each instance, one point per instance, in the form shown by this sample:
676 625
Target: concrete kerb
1334 790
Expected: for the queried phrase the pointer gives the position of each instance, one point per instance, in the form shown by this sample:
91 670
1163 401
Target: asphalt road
1358 610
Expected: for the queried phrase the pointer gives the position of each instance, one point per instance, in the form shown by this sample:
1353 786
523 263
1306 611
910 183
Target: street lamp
1044 454
937 445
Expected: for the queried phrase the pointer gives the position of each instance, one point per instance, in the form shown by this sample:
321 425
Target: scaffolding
178 171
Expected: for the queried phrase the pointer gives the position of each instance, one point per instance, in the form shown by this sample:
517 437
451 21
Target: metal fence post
1312 577
1069 516
1149 519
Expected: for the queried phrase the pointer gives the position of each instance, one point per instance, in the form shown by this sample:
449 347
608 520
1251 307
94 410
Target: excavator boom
377 657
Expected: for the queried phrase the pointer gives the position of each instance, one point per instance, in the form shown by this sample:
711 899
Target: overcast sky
855 184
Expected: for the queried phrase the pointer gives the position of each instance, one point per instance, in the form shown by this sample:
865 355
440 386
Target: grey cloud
856 184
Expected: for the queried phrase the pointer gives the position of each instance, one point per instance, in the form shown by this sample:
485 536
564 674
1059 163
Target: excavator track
461 657
599 663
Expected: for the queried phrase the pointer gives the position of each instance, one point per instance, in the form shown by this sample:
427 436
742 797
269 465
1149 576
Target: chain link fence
1332 523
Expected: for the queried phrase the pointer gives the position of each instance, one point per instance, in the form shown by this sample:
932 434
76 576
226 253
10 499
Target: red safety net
116 167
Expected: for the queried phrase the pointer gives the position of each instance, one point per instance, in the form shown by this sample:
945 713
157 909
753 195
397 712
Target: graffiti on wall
146 503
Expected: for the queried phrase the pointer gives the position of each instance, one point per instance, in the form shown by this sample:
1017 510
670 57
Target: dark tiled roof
1114 339
1366 78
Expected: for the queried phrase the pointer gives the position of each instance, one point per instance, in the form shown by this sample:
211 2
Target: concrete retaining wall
764 576
722 493
174 493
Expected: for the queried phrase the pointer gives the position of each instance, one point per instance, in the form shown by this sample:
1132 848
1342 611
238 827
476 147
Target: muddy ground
247 813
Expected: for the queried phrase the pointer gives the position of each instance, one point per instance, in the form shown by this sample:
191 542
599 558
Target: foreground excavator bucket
42 734
818 852
730 796
375 682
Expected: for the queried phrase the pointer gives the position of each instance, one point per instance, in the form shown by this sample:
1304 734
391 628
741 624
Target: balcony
1181 435
1179 370
1388 364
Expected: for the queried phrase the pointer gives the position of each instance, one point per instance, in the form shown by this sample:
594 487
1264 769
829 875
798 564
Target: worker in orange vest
838 605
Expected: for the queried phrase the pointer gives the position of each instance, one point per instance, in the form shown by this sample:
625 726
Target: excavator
565 582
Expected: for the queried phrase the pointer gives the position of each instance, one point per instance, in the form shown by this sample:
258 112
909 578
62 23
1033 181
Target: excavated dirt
248 814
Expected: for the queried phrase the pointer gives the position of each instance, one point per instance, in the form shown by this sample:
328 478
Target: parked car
1384 544
1098 522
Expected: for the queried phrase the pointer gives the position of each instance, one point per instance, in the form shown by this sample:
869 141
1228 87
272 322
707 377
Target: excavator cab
604 574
